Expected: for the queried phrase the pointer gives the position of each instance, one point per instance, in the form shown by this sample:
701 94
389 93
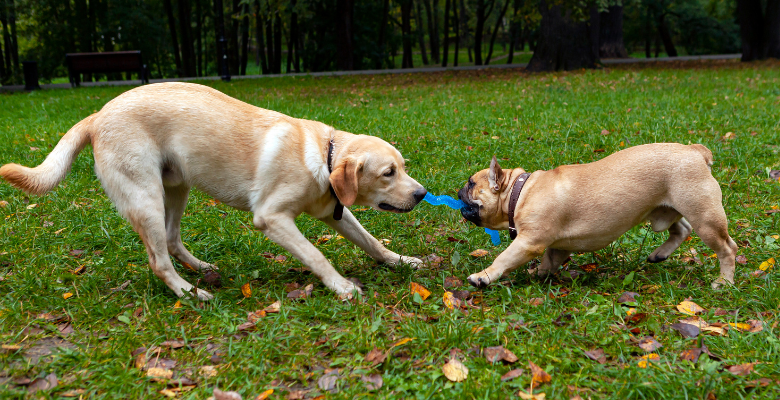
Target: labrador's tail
46 176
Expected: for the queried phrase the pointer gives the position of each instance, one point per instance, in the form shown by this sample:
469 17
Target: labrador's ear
495 175
344 179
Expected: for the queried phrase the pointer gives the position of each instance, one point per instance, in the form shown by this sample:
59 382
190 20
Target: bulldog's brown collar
516 188
338 211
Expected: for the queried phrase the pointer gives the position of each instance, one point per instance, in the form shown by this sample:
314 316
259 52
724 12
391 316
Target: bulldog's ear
495 175
344 179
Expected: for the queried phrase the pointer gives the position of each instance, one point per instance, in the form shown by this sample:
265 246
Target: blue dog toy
457 205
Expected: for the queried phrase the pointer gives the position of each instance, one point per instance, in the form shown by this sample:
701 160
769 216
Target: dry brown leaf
159 373
46 383
455 371
536 301
714 330
246 290
689 308
173 344
207 371
691 355
627 297
597 355
512 374
220 395
538 375
498 353
452 282
742 369
420 289
450 301
255 316
304 293
264 395
755 325
530 396
274 307
686 330
373 381
376 356
649 344
478 253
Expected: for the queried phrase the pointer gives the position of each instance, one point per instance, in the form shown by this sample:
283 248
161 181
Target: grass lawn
77 298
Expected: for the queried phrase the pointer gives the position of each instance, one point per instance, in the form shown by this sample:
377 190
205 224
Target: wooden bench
117 61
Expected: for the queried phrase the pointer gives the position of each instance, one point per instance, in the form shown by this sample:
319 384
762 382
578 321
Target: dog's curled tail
705 152
46 176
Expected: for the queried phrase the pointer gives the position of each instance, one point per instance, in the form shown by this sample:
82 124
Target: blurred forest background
179 38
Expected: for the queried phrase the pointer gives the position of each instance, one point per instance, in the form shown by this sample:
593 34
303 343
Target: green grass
445 125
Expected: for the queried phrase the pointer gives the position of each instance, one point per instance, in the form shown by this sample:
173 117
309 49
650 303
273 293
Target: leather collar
338 211
517 187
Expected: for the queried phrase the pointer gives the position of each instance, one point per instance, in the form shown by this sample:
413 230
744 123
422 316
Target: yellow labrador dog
153 143
576 208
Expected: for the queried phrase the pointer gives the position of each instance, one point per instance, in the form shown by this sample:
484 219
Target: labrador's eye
390 173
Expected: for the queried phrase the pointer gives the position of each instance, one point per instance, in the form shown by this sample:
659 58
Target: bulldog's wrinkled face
371 173
483 197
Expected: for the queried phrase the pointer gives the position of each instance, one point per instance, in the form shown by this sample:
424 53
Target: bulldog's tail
705 152
46 176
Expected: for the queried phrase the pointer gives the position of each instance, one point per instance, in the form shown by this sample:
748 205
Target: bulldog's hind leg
175 203
667 218
551 260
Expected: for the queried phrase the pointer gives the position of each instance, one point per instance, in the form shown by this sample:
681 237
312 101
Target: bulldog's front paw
479 280
720 282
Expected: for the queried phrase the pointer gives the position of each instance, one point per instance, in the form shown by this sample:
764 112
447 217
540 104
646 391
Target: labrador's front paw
720 282
479 280
413 261
344 288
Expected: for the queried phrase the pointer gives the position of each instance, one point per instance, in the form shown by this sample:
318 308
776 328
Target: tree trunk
244 37
611 33
6 40
514 30
563 44
269 40
380 60
187 44
751 24
233 45
666 37
259 37
464 29
456 23
478 32
648 33
344 34
293 46
772 28
433 31
446 55
418 18
495 31
199 35
174 39
278 42
406 31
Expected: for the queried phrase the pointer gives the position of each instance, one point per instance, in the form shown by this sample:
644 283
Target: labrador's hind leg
175 203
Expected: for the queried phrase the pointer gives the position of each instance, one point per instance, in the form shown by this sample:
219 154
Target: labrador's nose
419 194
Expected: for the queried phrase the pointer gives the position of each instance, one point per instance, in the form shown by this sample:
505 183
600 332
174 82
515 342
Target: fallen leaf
452 282
755 325
695 321
304 293
328 381
636 318
741 259
3 203
714 330
452 239
207 371
589 267
159 373
498 353
478 253
597 355
691 355
376 356
742 369
512 374
686 330
255 316
454 370
80 270
740 326
220 395
73 393
536 301
67 295
45 383
604 132
760 382
246 290
767 265
529 396
402 342
450 301
273 308
538 375
180 382
689 308
173 344
167 393
177 304
433 260
419 289
373 381
264 395
627 297
31 206
649 344
647 358
650 289
729 136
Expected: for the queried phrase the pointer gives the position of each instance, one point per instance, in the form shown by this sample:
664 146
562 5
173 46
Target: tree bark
174 39
187 44
235 55
564 44
772 28
278 42
382 29
611 33
515 28
406 31
6 40
269 40
495 31
433 29
345 34
244 37
293 46
199 35
751 25
666 37
456 23
464 28
446 49
259 38
648 33
420 31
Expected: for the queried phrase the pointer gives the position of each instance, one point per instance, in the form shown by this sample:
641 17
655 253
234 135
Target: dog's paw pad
479 280
412 261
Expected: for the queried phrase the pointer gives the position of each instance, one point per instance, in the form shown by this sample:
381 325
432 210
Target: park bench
117 61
